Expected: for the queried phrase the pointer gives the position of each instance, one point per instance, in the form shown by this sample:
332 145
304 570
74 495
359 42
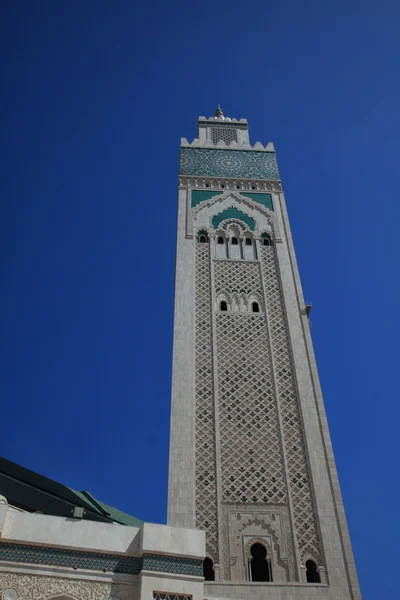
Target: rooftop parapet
233 145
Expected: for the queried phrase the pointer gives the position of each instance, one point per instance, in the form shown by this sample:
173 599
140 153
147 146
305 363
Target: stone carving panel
237 276
33 587
303 505
206 487
251 457
266 524
10 594
252 469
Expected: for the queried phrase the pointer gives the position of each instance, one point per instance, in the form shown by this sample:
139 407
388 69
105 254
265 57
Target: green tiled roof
32 492
112 513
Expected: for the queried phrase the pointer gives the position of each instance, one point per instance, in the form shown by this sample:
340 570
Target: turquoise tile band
229 163
59 557
173 564
97 561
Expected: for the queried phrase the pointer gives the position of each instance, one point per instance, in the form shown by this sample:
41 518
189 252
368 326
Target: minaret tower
251 461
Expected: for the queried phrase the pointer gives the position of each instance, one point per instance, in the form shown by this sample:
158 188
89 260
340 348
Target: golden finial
219 112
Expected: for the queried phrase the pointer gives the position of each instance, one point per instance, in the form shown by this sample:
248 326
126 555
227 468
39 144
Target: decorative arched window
220 239
266 239
223 305
249 241
260 566
255 307
312 572
202 236
234 241
208 569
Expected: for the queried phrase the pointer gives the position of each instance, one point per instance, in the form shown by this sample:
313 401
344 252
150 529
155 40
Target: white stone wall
30 581
77 533
181 487
336 543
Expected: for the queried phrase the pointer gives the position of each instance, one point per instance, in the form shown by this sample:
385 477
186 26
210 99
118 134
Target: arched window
312 572
255 307
234 241
208 569
248 242
220 239
260 567
223 305
202 236
266 239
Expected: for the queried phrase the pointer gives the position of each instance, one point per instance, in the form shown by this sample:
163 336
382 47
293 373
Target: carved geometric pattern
238 277
303 506
251 459
226 134
173 564
265 521
206 487
32 587
10 594
229 163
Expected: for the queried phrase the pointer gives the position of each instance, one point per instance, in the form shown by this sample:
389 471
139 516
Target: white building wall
181 488
47 536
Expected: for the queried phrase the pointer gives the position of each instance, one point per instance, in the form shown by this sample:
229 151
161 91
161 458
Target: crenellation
244 145
223 120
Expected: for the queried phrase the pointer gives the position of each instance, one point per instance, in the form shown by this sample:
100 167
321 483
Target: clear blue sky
96 96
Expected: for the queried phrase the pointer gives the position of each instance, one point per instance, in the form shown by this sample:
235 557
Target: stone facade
250 456
44 558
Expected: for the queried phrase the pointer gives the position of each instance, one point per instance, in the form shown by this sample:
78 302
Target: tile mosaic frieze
173 564
229 163
61 557
132 565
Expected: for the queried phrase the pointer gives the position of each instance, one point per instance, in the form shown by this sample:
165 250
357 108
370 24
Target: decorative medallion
10 594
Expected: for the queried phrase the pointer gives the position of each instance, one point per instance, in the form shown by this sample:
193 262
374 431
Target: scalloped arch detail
233 213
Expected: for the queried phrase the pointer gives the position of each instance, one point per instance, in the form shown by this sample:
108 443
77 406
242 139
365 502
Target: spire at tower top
219 112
